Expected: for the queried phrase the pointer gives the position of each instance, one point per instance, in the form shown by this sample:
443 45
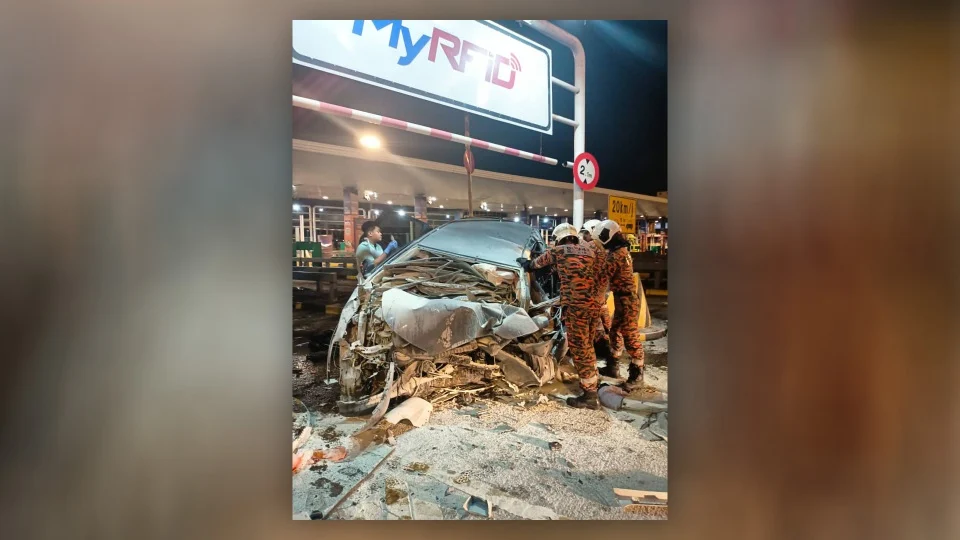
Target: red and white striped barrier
336 110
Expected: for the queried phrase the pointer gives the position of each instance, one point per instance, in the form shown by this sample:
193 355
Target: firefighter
624 331
586 231
603 279
578 265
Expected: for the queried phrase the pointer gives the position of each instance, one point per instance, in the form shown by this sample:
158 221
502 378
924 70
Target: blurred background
144 206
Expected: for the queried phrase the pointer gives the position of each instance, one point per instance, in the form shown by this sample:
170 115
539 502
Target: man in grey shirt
369 253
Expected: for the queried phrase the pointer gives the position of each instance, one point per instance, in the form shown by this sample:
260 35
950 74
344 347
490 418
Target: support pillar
351 211
420 207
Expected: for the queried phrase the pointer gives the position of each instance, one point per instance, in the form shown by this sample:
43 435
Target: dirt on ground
532 460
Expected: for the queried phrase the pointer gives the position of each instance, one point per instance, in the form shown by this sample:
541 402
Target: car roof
494 241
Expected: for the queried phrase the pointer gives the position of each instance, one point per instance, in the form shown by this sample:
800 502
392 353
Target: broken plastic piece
416 410
477 506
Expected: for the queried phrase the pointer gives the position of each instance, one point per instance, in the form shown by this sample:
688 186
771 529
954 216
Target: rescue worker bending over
369 253
626 313
578 266
603 281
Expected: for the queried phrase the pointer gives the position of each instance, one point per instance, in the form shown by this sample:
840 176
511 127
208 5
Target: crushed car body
451 312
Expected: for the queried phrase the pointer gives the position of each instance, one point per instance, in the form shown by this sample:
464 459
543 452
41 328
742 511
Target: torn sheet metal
516 370
435 325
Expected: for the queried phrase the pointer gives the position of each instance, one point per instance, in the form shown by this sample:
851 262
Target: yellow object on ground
645 322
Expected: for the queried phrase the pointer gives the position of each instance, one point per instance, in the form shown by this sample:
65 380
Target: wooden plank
640 494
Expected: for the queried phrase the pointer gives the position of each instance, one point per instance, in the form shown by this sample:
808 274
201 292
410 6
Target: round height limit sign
586 171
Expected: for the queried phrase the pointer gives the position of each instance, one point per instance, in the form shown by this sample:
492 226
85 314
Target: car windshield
498 242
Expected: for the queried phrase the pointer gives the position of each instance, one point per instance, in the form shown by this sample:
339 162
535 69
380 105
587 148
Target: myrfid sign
476 66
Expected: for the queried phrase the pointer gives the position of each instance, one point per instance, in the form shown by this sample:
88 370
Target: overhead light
325 197
530 207
566 210
377 212
448 216
441 206
516 219
296 207
321 210
554 215
370 141
402 212
389 202
545 219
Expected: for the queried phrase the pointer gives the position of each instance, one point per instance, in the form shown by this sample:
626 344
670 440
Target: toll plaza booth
440 191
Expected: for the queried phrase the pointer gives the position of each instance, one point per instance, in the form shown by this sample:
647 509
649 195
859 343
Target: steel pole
579 101
466 129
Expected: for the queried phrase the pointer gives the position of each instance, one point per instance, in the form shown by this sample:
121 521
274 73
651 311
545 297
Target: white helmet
589 225
605 230
564 230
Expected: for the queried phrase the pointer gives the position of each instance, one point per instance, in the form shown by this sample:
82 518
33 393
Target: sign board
476 66
624 212
586 171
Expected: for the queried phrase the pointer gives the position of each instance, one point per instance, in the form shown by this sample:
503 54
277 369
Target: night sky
626 110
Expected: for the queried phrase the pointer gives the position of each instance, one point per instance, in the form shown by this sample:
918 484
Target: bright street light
402 212
370 141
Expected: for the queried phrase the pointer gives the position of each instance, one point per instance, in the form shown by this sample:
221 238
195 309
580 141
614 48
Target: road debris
304 435
659 427
333 454
397 498
415 410
329 487
614 397
641 497
425 510
477 506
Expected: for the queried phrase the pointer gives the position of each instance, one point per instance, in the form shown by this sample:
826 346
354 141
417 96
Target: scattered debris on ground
463 444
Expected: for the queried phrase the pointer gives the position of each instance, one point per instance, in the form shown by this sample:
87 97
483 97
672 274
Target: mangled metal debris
449 326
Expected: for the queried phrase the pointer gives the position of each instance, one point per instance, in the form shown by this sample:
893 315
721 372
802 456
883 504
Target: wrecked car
451 312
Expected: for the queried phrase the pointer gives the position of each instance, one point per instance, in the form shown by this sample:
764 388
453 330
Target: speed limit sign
586 171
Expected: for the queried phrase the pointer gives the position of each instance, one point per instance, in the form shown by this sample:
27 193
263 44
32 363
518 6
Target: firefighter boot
587 400
634 378
612 369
